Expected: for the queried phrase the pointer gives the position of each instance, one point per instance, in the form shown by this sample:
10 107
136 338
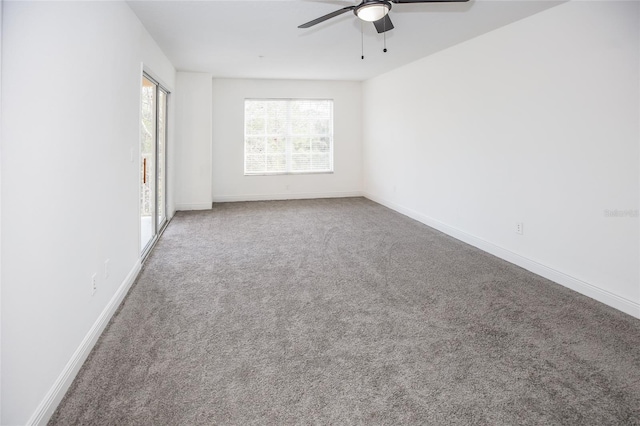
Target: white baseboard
193 206
50 402
625 305
284 196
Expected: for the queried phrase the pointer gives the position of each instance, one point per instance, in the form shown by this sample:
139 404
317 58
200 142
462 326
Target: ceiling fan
375 11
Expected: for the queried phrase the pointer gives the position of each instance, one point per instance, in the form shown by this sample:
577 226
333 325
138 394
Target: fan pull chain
384 35
361 40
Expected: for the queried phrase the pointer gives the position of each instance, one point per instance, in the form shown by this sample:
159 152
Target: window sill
289 173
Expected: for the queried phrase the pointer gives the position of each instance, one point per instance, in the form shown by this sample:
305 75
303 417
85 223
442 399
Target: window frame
288 139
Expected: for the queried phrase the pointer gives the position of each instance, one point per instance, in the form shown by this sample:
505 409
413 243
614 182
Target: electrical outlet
519 228
106 269
94 283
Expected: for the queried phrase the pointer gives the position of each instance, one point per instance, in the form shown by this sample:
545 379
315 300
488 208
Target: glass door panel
161 158
147 160
153 161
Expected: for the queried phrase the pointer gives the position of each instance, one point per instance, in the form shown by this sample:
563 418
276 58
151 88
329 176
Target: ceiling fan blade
384 24
327 16
427 1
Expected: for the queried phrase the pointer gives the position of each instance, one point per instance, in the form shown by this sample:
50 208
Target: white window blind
288 136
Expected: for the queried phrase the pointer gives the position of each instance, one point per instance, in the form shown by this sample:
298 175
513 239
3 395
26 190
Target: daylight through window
288 136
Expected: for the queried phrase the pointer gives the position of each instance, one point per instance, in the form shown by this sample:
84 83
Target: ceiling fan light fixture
372 12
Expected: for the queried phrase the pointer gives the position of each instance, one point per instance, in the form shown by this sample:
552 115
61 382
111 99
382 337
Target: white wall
536 122
1 7
71 75
193 147
229 182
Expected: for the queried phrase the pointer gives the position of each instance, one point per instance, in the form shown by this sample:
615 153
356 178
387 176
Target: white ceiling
260 39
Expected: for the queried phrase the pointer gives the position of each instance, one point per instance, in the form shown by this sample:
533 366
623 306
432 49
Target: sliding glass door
153 138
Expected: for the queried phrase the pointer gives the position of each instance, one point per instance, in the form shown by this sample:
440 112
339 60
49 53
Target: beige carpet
344 312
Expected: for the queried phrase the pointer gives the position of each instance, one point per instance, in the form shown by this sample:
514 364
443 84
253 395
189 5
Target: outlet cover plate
94 283
519 228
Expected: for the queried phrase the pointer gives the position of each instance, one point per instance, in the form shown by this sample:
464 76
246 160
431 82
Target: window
288 136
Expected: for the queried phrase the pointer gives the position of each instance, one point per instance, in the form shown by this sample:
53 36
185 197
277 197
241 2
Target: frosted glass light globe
372 12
